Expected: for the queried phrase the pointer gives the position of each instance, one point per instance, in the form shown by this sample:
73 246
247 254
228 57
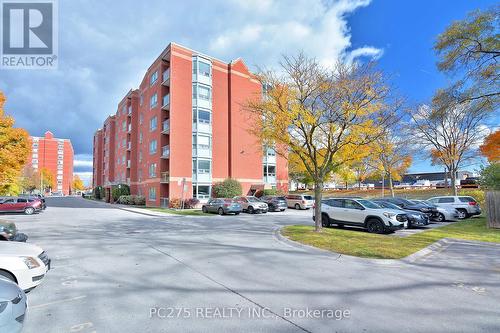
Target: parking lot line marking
57 302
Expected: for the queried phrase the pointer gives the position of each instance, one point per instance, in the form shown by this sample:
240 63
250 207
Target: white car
23 263
361 213
12 307
465 205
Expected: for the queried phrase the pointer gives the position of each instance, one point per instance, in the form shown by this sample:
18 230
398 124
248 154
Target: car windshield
369 204
252 199
308 197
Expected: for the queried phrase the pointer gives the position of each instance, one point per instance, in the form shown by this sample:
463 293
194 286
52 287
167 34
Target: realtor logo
29 34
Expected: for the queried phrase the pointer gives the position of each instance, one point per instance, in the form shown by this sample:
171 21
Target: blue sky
105 47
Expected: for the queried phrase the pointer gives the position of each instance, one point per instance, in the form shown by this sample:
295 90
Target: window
141 118
154 78
203 166
140 156
154 100
152 193
204 93
152 170
351 204
124 109
123 159
141 99
153 123
446 200
204 117
124 143
203 191
22 200
466 199
269 171
203 69
140 137
153 146
124 126
140 174
334 203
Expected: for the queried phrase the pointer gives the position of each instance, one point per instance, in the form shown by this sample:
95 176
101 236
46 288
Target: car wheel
237 213
375 227
440 217
204 209
220 211
282 210
251 210
29 210
9 276
462 214
325 220
297 206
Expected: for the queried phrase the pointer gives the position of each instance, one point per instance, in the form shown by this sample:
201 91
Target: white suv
361 213
465 205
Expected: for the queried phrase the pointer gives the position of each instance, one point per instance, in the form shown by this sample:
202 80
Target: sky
106 46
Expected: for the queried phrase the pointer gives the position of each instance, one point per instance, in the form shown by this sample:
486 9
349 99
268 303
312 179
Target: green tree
490 176
469 50
227 189
322 115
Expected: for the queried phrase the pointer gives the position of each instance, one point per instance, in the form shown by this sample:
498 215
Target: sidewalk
143 211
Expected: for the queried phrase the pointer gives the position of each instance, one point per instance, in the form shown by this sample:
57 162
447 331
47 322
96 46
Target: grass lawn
363 244
191 212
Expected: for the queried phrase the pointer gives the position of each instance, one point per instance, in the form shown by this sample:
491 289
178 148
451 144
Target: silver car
466 206
252 204
12 306
300 201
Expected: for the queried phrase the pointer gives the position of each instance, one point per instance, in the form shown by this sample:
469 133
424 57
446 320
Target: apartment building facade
55 155
184 129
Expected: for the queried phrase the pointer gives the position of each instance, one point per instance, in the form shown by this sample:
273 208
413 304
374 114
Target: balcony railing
129 128
129 146
129 111
128 164
166 77
165 177
165 128
166 102
165 152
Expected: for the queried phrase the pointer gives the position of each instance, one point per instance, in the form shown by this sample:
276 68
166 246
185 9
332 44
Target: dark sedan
415 218
275 203
221 206
409 205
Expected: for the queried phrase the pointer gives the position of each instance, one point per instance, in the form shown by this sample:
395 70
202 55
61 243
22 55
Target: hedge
138 200
227 189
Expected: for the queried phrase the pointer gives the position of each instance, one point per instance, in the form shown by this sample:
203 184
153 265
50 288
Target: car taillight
472 203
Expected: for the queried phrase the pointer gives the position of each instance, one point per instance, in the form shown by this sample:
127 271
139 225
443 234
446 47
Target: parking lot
118 271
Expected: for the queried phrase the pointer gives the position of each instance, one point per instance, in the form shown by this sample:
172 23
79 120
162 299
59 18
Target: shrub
174 203
139 200
98 192
227 189
125 199
191 203
119 190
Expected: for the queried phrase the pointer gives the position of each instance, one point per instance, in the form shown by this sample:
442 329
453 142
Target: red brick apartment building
56 155
185 129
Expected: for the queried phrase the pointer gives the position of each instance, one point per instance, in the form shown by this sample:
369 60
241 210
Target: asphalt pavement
119 271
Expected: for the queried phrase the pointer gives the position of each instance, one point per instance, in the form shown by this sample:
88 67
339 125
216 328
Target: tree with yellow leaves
14 151
322 115
77 184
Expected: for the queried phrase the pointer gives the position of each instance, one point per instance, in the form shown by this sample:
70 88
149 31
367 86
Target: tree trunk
318 192
453 174
390 186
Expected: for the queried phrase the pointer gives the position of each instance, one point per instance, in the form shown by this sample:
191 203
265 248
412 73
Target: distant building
55 155
434 176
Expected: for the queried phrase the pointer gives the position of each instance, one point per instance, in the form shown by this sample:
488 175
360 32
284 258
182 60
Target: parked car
361 213
12 306
408 205
415 218
465 205
20 205
26 264
252 204
470 182
300 201
8 232
36 196
221 206
444 213
275 203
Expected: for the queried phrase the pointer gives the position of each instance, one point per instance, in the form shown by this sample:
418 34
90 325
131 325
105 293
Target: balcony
165 178
165 128
166 78
166 102
129 146
128 164
129 128
129 112
165 152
